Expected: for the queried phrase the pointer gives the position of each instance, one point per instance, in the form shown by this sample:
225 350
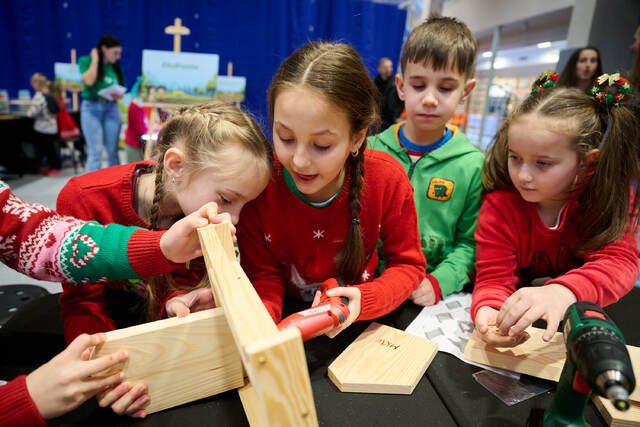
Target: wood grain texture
274 361
281 380
246 314
615 418
180 359
536 357
382 360
251 405
634 354
533 357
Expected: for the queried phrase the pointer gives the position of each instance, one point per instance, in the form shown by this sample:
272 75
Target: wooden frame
212 343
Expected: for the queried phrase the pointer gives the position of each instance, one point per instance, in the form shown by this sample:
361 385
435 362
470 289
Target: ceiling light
486 54
544 45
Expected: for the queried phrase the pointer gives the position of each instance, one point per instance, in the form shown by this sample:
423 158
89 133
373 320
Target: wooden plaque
382 360
533 357
180 359
615 418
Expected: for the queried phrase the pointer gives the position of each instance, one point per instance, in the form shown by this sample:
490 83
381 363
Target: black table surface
446 396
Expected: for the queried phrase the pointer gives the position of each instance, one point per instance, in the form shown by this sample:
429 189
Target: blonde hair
202 131
603 201
336 71
41 79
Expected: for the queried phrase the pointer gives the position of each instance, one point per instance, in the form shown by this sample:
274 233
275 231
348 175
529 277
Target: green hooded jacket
447 185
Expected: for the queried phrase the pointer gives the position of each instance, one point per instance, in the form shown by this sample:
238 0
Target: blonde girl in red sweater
212 152
558 223
331 199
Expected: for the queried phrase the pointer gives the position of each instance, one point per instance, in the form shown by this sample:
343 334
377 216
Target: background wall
255 35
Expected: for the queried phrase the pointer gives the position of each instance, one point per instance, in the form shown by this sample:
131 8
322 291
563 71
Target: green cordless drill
597 360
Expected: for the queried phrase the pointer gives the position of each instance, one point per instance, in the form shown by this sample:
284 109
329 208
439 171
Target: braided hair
202 132
336 71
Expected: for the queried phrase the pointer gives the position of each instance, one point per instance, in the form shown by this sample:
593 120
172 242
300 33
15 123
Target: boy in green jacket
438 63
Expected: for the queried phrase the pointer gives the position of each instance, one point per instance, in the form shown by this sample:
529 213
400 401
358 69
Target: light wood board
533 357
382 360
281 380
180 359
280 392
615 418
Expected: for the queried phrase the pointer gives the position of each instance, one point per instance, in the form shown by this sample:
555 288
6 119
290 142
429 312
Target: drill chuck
619 396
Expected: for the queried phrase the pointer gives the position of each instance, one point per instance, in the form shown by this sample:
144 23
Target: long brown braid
603 203
336 71
201 131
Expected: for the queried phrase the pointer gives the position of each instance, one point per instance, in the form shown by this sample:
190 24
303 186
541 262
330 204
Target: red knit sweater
287 245
104 196
17 409
514 247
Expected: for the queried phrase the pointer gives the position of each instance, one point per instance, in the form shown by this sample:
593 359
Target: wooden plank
634 354
180 359
615 418
246 314
251 405
281 380
274 361
533 357
382 360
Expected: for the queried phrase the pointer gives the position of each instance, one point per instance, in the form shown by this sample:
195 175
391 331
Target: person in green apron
99 116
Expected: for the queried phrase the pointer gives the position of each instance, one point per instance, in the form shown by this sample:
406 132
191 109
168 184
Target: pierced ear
400 86
468 87
174 162
358 139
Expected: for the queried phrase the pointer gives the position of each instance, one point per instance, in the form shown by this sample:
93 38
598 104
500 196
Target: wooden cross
177 30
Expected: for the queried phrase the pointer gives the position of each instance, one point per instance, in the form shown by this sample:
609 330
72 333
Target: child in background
438 62
331 199
137 126
558 222
45 124
208 152
42 244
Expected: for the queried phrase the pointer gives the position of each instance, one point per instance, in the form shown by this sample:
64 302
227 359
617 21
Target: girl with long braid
331 199
206 153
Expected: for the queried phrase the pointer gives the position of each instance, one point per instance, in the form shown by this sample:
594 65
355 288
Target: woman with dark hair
582 69
100 117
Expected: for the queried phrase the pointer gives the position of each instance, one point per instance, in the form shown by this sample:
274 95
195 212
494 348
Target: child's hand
65 382
527 305
424 295
126 399
487 331
351 292
180 243
196 300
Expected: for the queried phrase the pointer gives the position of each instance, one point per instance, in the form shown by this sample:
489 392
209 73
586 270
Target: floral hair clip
545 80
611 89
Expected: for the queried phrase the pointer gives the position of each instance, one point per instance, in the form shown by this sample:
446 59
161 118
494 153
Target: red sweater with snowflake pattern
288 246
514 248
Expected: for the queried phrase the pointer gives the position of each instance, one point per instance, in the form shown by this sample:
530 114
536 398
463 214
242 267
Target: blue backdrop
255 35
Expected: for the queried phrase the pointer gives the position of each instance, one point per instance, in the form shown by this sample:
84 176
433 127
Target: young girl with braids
558 221
331 199
206 153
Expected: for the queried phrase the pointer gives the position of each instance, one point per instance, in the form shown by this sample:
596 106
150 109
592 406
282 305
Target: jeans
101 127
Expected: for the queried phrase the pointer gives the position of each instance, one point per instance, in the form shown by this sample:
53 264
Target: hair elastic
355 221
